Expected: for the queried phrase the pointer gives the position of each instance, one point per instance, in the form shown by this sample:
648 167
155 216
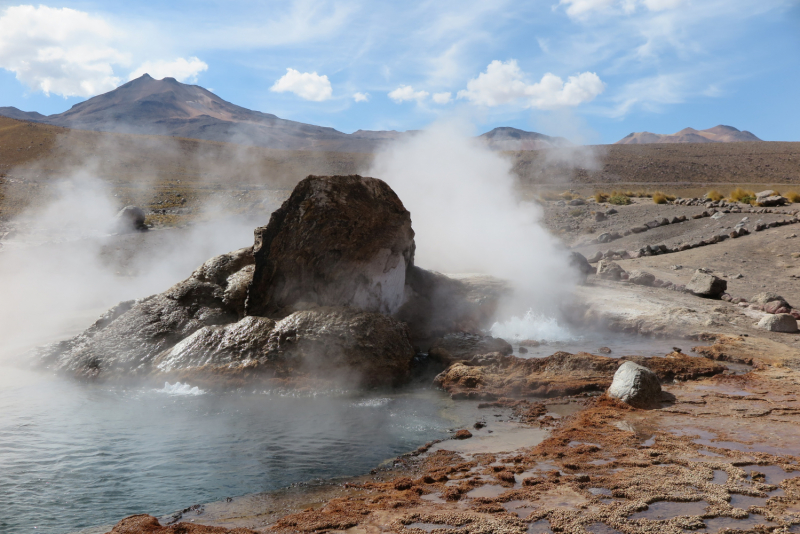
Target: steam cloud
467 216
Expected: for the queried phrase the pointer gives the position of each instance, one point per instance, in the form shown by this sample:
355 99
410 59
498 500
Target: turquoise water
74 455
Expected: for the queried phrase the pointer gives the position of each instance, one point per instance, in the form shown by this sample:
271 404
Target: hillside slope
717 134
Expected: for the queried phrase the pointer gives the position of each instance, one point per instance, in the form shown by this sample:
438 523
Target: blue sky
591 70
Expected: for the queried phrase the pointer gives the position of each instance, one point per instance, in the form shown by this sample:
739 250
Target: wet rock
127 339
609 270
641 278
706 285
635 385
337 241
782 322
463 434
464 346
436 304
129 219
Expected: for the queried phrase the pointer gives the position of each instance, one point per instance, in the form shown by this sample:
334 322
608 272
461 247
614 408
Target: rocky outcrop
126 339
337 241
641 278
609 270
147 524
329 293
706 285
635 385
464 346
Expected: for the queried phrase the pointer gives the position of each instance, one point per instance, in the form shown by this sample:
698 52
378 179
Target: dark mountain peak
508 138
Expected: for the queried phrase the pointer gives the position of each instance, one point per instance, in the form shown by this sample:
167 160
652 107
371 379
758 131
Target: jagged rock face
128 337
344 346
337 241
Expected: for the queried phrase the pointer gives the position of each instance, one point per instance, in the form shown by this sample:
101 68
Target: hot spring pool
75 455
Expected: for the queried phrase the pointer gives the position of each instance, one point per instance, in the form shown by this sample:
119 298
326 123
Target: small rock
641 278
676 267
529 343
775 307
600 216
594 258
478 425
635 385
766 297
581 264
577 202
130 218
523 350
782 322
707 285
604 350
463 434
611 211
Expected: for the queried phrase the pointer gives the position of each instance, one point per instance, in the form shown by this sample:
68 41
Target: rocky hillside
506 138
717 134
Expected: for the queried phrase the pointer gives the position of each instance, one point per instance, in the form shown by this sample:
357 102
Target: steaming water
73 456
553 337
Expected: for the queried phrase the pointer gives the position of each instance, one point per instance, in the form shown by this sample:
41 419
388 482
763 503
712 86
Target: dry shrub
714 195
793 197
742 195
549 195
662 198
642 194
619 199
566 195
576 212
601 197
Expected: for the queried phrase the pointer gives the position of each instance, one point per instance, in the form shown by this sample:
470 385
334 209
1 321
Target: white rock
635 385
781 322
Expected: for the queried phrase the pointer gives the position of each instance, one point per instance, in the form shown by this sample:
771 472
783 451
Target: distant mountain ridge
167 107
717 134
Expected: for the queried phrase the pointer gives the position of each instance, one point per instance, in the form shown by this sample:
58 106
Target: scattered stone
523 350
463 434
529 343
676 267
641 278
769 198
635 385
706 285
639 229
611 211
578 262
463 346
776 306
609 270
767 297
594 258
599 216
782 322
577 202
604 350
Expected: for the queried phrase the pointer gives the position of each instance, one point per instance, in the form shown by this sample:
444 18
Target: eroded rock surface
337 241
781 322
707 285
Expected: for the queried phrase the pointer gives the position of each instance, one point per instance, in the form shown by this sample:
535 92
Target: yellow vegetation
601 197
714 195
662 198
793 197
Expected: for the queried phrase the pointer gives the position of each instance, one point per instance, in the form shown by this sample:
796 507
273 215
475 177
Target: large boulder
767 297
781 322
706 285
336 241
579 262
635 385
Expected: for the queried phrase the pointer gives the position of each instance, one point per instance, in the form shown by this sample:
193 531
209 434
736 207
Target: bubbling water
533 325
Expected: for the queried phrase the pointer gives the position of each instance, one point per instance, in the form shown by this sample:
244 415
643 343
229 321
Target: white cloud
183 70
59 50
580 9
442 98
306 85
650 94
504 83
361 97
406 92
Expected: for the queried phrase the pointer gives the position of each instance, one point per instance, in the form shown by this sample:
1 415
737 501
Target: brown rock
147 524
463 434
337 241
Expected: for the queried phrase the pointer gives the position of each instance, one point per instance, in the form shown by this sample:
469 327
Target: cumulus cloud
183 70
59 50
406 92
504 83
361 97
306 85
442 98
582 8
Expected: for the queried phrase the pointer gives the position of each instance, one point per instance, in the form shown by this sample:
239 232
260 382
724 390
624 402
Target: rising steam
468 218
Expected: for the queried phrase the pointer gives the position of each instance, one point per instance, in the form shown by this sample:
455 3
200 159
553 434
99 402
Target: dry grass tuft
714 195
793 197
619 199
601 197
741 195
662 198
